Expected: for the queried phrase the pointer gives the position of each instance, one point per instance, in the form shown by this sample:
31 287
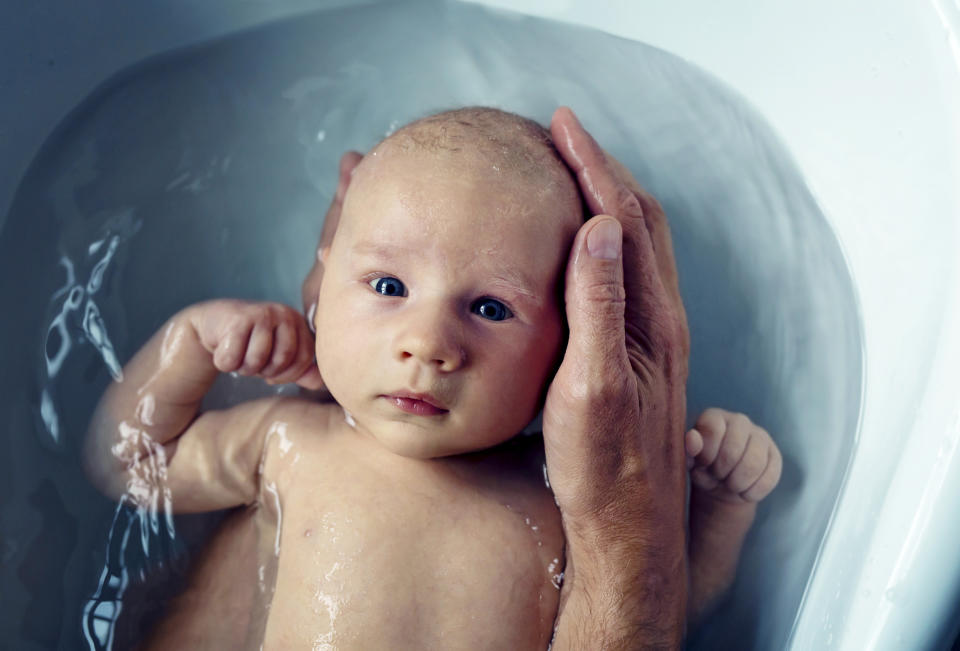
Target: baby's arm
145 435
734 464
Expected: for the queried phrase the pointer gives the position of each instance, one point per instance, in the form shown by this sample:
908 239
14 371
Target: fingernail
604 240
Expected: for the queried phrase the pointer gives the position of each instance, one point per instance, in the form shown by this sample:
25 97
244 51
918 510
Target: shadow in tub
205 172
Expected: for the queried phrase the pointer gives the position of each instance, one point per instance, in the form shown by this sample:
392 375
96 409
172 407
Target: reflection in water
146 498
147 508
70 325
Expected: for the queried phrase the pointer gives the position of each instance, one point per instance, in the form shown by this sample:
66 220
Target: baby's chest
380 564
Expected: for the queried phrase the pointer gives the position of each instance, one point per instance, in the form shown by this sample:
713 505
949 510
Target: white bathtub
858 549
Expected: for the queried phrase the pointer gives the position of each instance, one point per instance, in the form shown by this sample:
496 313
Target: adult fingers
595 301
608 185
602 188
610 189
654 312
590 416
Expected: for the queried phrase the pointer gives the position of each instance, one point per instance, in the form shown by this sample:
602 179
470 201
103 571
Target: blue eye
491 309
388 286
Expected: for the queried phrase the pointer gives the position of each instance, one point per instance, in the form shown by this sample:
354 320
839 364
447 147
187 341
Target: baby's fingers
311 379
768 478
259 347
692 445
751 466
302 358
733 445
285 348
711 425
701 478
230 352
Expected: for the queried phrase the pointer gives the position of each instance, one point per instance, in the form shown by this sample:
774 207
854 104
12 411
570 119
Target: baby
408 514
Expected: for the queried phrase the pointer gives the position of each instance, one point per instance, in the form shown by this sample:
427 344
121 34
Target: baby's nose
432 338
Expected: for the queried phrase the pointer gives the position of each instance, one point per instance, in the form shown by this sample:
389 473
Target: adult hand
614 416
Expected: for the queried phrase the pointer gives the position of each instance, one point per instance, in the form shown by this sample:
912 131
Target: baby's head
440 317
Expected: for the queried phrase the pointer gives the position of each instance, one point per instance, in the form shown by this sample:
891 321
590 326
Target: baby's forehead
528 171
467 182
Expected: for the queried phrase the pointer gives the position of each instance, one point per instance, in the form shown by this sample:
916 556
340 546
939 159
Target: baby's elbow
101 464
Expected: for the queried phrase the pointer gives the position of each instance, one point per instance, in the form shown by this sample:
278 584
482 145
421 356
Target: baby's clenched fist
268 340
730 458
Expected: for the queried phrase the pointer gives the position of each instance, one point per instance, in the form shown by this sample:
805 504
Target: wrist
626 590
613 620
721 506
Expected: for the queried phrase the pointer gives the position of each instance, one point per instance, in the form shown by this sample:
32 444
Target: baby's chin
426 441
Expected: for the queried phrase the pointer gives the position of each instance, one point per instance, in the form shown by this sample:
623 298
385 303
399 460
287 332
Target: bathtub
832 321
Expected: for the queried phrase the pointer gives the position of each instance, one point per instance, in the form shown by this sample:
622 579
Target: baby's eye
491 309
388 286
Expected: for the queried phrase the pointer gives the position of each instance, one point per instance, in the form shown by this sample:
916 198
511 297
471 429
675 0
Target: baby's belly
410 571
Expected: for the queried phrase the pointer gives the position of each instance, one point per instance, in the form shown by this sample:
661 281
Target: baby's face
439 316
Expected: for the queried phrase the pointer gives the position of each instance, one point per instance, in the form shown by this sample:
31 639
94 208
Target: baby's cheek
329 350
518 395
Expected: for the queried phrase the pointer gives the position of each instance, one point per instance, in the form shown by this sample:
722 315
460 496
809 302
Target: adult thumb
595 299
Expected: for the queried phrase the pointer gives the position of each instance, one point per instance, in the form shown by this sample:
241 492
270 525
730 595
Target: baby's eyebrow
381 250
518 285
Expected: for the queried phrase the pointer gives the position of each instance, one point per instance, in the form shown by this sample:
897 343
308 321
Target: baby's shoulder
297 426
303 413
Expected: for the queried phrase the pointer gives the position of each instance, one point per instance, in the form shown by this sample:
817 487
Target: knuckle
288 352
226 359
601 389
256 356
711 422
775 467
627 201
653 206
263 316
726 458
739 422
753 466
668 334
286 343
759 489
675 330
597 289
304 351
761 433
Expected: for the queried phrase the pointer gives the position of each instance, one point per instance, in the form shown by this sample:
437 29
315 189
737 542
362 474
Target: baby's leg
734 464
214 611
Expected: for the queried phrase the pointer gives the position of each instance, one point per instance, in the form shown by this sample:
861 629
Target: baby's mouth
420 404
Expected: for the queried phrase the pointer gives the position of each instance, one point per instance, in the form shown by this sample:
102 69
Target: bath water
206 173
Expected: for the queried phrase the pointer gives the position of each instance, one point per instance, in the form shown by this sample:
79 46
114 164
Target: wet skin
726 451
413 522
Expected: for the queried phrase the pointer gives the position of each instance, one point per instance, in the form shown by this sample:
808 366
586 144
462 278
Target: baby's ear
311 284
